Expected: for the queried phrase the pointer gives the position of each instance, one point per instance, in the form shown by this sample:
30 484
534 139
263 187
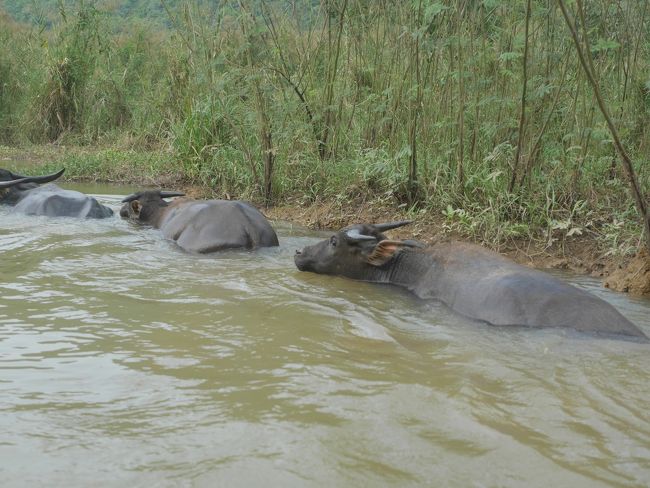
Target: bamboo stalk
587 65
522 114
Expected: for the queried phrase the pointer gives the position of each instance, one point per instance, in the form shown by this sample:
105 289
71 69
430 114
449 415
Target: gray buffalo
201 226
471 280
26 195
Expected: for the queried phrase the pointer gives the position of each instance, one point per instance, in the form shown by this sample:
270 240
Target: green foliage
342 99
62 105
120 166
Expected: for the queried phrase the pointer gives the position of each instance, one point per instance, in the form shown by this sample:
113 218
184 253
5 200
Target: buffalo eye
333 241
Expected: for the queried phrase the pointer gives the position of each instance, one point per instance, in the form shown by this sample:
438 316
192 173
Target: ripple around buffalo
201 226
471 280
35 195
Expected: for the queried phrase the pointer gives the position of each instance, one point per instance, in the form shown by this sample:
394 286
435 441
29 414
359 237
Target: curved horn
130 198
169 194
355 235
10 183
163 194
18 179
391 225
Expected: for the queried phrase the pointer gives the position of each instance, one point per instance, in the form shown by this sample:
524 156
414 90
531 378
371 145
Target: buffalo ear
136 206
383 252
386 249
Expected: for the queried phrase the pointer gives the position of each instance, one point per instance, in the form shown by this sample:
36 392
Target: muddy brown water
126 362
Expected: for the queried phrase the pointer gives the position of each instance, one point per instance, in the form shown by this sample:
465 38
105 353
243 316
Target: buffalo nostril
298 251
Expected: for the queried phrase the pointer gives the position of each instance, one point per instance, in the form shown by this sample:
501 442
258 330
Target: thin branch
587 63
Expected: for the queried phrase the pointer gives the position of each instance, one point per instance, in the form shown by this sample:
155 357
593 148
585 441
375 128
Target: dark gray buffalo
470 279
26 195
201 226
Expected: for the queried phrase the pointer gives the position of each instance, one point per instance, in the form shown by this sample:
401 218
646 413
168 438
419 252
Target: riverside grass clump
477 112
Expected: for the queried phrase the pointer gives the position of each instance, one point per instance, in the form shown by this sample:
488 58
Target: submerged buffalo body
470 279
201 226
26 195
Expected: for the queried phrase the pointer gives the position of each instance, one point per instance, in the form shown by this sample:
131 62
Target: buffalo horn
131 197
391 225
163 194
18 179
10 183
169 194
355 235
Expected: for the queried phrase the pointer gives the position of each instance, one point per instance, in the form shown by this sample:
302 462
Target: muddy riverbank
582 252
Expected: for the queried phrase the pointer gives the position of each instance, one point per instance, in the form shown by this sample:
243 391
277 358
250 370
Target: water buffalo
471 280
201 226
26 195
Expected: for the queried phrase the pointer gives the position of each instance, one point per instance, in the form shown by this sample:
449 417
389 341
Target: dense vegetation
476 109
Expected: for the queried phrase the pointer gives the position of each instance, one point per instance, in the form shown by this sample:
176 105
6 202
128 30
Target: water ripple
122 354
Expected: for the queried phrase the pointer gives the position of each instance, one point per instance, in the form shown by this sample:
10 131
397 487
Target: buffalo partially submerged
201 226
471 280
26 195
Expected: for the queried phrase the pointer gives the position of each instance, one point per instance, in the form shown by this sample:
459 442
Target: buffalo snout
301 260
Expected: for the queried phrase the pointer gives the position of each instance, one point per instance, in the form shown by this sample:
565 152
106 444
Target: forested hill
153 12
48 12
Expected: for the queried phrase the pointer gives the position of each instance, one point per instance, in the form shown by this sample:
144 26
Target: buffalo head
355 252
146 206
13 185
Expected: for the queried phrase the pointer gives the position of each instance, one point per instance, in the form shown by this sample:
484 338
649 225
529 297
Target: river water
127 362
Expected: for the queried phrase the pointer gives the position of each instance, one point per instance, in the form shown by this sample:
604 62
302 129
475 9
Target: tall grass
476 111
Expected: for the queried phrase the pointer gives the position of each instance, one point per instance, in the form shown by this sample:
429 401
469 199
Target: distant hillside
47 12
